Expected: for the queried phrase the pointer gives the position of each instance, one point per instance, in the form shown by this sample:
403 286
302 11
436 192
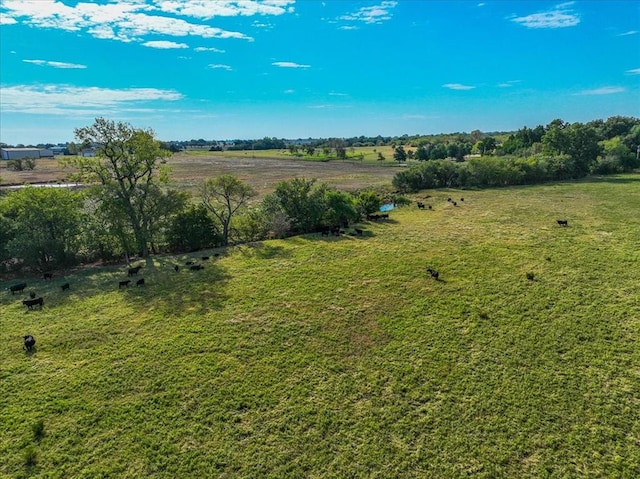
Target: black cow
32 295
17 287
429 206
65 286
434 274
420 205
384 216
196 267
30 303
47 275
359 232
325 232
189 263
448 199
461 199
176 268
140 282
134 271
124 284
29 343
563 222
205 258
454 203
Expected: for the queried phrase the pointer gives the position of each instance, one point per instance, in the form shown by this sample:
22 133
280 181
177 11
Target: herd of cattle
33 301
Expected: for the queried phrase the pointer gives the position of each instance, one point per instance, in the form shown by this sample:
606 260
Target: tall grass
342 357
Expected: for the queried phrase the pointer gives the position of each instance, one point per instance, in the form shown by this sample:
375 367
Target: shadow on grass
263 251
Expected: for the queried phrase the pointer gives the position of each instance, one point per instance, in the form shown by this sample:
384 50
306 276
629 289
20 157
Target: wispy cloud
630 32
289 92
164 44
560 16
372 15
458 86
607 90
6 20
208 49
67 99
219 66
127 21
635 71
508 83
55 64
348 27
207 9
290 65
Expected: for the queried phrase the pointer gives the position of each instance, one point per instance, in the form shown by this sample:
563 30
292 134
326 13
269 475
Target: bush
38 430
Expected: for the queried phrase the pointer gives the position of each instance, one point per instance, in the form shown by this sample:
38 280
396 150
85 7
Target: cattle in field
30 303
134 271
124 284
196 267
29 343
454 203
65 287
176 268
140 282
449 199
429 206
32 295
189 263
17 287
434 274
461 199
47 275
420 205
325 232
563 222
359 232
384 216
205 258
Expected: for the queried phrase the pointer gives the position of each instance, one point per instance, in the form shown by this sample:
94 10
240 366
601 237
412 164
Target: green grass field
340 358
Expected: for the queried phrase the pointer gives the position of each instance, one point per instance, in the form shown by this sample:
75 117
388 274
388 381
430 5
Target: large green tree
126 165
42 226
224 196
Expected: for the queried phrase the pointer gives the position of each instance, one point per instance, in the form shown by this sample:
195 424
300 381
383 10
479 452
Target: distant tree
421 153
399 154
310 150
224 197
126 166
486 145
381 156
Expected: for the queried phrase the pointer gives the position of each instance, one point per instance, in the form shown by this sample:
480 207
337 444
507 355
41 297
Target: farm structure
20 153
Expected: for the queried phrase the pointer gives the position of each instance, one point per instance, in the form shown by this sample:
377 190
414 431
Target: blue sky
217 69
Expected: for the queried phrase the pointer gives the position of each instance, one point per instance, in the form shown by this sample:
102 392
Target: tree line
131 208
559 151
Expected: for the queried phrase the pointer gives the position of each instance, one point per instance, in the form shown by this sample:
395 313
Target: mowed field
340 357
262 170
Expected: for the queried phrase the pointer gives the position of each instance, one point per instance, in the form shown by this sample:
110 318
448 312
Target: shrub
38 430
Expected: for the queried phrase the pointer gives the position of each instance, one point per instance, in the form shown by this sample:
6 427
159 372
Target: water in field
387 207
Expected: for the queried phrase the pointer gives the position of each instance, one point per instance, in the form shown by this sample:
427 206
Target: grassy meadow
315 357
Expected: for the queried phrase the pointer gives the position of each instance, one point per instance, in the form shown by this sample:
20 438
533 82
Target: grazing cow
359 232
196 267
563 222
29 343
176 268
47 275
454 203
216 255
434 274
449 199
325 232
384 216
189 263
30 303
32 295
140 282
65 287
124 284
205 258
373 217
134 271
429 206
461 199
17 287
420 205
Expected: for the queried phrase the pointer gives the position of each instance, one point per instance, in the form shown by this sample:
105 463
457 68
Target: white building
21 153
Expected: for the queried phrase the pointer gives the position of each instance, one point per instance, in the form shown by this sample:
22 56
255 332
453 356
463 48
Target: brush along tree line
131 207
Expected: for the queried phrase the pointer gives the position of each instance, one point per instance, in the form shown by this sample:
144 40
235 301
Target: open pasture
262 170
334 357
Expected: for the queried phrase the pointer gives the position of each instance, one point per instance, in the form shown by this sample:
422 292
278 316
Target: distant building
21 153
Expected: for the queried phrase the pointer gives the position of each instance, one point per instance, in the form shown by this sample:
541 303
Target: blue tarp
387 207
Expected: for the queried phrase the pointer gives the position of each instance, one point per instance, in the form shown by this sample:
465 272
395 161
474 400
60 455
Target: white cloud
164 44
207 9
560 16
508 83
68 99
6 20
290 65
219 66
208 49
55 64
607 90
635 71
458 86
289 92
372 15
123 21
630 32
348 27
